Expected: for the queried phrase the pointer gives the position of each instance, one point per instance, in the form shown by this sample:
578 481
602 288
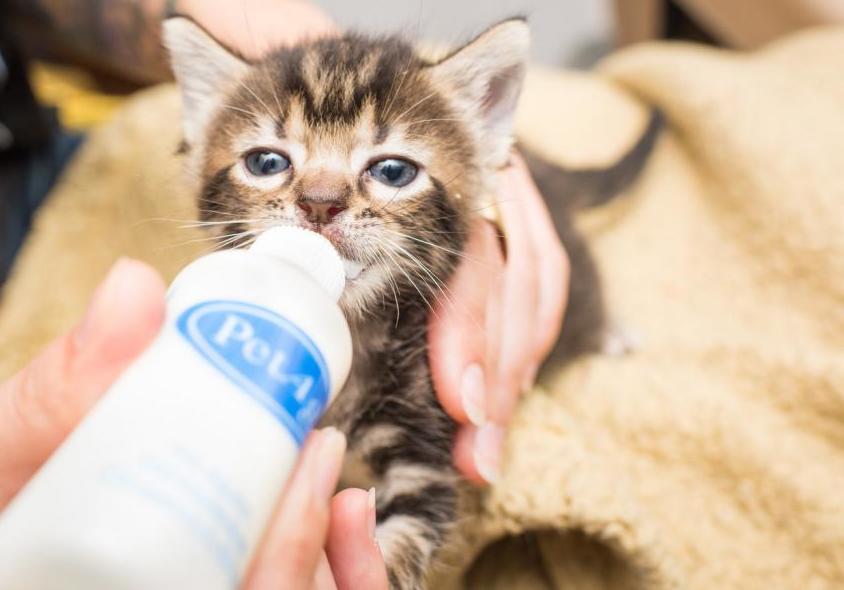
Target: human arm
122 38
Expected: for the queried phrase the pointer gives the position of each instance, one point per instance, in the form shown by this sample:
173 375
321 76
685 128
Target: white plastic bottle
169 482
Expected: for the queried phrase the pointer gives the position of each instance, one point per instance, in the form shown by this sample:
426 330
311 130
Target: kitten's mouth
353 268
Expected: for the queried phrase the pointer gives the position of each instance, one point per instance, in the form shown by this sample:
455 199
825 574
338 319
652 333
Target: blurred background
576 33
566 32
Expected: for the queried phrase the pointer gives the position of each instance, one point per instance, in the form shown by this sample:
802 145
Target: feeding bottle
169 481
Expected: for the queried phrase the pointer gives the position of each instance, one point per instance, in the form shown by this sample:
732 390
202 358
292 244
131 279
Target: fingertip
516 174
509 387
145 276
464 455
125 313
351 548
141 293
348 508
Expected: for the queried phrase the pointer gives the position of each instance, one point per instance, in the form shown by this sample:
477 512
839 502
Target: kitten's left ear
486 78
203 69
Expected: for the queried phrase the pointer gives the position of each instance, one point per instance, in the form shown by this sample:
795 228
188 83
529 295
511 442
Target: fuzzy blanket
713 456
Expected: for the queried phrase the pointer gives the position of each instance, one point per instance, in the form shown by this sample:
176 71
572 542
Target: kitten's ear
203 69
486 77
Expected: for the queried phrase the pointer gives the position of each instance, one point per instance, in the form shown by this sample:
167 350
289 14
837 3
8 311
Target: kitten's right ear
203 69
484 78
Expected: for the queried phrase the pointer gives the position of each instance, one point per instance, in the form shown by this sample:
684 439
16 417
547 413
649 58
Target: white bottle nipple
308 251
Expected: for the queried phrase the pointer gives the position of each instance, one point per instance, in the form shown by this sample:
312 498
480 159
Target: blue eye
393 172
266 163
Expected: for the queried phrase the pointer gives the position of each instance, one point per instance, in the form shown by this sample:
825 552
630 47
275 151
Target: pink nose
320 211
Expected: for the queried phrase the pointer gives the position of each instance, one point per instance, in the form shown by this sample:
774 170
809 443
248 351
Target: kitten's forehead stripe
381 133
336 78
280 131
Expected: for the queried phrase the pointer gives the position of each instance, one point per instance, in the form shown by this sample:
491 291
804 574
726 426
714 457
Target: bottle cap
310 252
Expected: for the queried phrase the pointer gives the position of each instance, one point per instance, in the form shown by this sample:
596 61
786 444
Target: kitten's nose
320 211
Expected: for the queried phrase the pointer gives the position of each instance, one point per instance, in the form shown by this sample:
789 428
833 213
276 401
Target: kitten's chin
367 291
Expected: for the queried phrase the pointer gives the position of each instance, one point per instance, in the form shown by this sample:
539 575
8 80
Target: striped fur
334 106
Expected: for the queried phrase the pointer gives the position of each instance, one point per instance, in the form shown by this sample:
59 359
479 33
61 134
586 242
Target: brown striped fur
335 106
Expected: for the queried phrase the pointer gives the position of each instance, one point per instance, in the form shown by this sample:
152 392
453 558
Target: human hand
307 519
45 401
501 319
252 27
42 404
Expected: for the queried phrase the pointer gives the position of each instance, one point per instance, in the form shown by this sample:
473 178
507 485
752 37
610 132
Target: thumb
355 558
42 403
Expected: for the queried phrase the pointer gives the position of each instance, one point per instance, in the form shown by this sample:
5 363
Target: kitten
387 155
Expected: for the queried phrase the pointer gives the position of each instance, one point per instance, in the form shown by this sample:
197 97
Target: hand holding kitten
486 349
255 26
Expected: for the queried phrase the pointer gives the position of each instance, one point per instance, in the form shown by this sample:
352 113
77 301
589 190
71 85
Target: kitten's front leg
417 508
408 450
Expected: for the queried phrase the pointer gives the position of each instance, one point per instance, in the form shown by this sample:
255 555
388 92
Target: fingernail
488 442
108 290
371 514
472 394
530 379
332 447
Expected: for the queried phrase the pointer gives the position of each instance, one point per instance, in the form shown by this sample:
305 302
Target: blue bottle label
265 355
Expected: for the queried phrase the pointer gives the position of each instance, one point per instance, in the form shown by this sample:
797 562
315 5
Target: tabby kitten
388 156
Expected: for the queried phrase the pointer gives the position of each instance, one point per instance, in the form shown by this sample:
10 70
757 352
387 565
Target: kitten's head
361 139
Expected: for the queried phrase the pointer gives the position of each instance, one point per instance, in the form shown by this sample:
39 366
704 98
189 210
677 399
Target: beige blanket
713 457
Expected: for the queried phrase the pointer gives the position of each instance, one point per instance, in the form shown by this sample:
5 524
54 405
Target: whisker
214 223
437 282
390 281
441 287
438 247
263 104
229 207
415 105
395 94
422 230
276 98
478 210
213 212
235 235
433 120
236 238
390 201
252 114
389 252
196 223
